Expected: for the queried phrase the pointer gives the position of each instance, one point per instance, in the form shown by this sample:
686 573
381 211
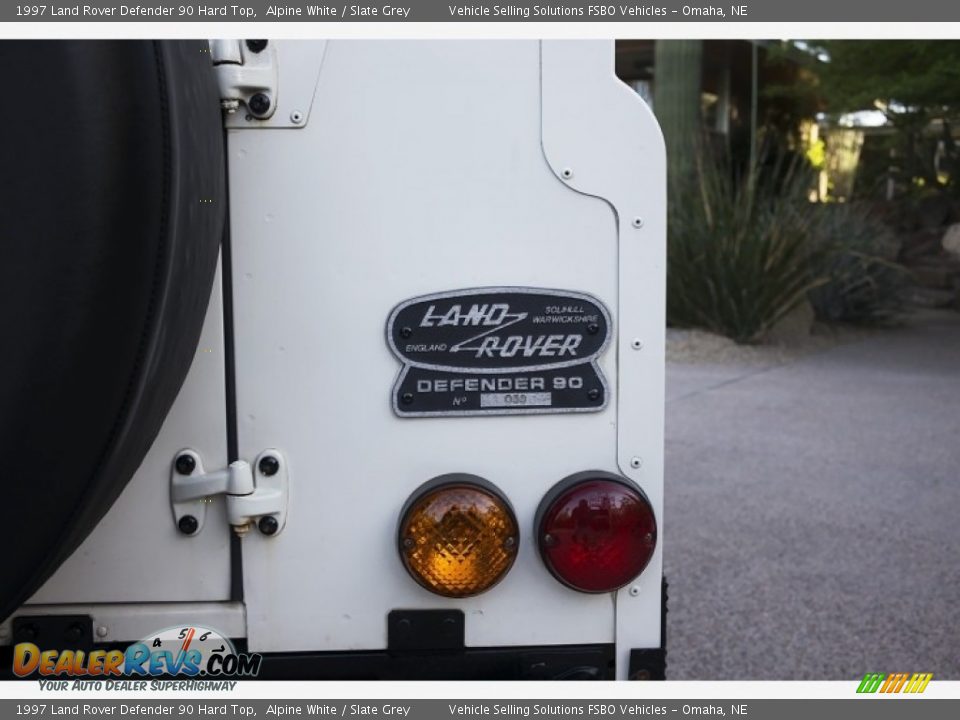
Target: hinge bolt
268 525
185 464
268 465
259 104
188 524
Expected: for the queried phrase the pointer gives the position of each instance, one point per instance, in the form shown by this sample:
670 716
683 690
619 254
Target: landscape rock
951 240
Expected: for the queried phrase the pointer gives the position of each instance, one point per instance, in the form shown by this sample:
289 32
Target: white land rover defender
348 355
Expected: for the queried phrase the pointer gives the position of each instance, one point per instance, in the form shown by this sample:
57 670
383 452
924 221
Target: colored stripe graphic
894 683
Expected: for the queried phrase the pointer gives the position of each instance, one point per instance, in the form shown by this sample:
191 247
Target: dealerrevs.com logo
192 652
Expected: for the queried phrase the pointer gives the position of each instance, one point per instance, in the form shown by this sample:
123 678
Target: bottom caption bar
785 709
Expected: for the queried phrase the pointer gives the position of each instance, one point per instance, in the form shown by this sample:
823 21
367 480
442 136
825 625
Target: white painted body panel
421 170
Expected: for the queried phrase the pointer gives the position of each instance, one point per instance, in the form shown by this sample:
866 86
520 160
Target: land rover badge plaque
499 351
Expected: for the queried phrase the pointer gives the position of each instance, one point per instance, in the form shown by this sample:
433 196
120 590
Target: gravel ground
812 522
697 346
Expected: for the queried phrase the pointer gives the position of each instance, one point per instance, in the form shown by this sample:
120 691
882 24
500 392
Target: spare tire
111 218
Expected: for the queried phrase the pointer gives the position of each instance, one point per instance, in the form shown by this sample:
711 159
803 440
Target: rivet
102 631
636 343
636 462
634 591
566 173
637 222
296 117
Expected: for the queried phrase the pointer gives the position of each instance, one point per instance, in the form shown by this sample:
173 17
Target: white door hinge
254 495
246 72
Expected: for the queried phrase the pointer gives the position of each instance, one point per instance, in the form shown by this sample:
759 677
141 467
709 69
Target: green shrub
865 283
739 257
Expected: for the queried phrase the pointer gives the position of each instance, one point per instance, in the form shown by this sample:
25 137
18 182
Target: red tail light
596 531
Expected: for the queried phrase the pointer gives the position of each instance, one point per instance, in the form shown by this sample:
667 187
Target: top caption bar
487 11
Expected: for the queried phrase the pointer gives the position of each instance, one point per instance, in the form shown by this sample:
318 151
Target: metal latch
253 495
246 74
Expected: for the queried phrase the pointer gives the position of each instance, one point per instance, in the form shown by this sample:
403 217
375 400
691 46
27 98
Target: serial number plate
499 351
512 400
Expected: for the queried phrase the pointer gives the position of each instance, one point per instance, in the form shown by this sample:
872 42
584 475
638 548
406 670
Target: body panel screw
74 633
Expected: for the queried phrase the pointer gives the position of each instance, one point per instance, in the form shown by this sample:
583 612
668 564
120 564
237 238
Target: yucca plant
739 254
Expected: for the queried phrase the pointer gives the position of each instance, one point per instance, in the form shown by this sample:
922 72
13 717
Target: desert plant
866 284
738 257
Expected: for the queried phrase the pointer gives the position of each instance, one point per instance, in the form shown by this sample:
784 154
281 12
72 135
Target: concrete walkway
812 523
